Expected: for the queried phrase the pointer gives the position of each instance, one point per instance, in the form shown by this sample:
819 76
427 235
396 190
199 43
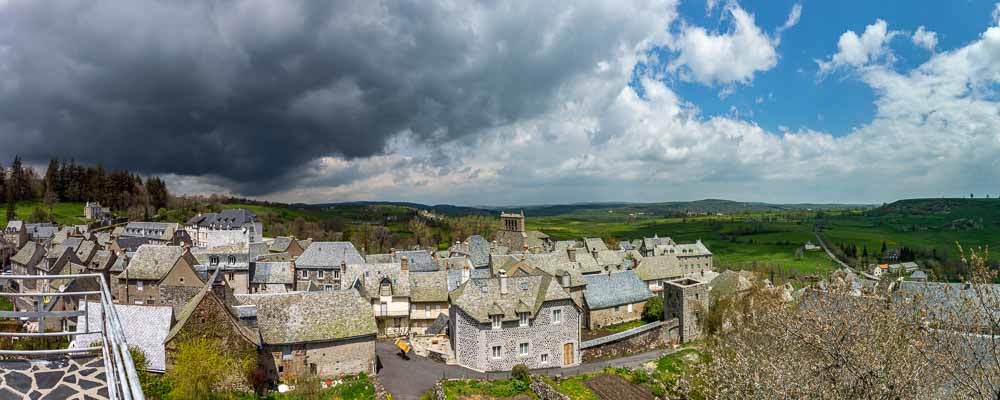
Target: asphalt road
407 379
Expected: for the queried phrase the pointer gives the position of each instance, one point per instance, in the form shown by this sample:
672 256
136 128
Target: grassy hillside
929 225
63 213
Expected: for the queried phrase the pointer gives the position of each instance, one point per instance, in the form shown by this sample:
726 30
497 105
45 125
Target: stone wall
609 316
686 300
474 341
545 391
177 296
645 340
323 359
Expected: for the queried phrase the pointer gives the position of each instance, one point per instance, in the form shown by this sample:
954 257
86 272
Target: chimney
571 253
404 264
466 273
565 280
392 250
295 275
343 268
503 281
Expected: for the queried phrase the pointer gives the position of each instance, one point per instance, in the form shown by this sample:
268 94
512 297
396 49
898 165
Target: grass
611 329
351 388
6 305
63 213
738 241
572 387
455 390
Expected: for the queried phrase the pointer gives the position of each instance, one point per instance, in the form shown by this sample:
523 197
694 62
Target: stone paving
78 377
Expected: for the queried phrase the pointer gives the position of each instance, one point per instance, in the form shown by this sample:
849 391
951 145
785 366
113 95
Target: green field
63 213
738 242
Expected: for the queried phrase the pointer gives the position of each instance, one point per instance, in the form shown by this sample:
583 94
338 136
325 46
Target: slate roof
86 250
143 326
238 252
439 326
258 249
613 258
229 306
594 244
131 243
615 289
73 242
41 231
429 286
454 263
949 301
918 275
230 217
418 260
151 230
27 254
101 258
651 243
692 249
15 225
480 298
273 273
478 251
287 318
562 245
455 276
371 275
659 267
280 244
731 282
153 262
329 255
274 257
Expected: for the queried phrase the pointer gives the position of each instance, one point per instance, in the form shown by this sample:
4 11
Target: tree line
68 181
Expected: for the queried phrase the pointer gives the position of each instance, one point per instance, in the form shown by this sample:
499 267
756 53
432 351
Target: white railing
123 381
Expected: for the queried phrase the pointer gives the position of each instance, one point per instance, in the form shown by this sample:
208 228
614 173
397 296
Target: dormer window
214 260
523 319
232 259
495 319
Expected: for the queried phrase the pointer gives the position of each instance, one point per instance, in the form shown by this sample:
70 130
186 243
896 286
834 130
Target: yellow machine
403 346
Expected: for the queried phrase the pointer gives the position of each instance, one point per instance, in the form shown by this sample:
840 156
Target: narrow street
408 379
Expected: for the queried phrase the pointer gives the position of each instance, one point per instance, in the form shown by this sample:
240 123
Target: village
316 309
300 311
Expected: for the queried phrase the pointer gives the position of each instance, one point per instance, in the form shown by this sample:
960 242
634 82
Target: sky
512 103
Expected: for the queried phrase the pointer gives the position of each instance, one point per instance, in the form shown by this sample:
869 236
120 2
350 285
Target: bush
520 372
654 310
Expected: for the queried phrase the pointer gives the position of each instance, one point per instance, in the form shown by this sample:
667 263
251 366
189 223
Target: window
327 288
232 275
496 352
522 349
545 358
232 259
138 285
214 260
286 353
524 319
304 274
319 274
150 301
427 310
181 279
495 319
556 316
630 307
336 274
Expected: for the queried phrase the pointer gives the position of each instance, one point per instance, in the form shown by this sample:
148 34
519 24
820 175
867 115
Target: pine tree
10 205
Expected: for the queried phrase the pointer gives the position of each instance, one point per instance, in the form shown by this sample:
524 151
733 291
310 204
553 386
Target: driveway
408 379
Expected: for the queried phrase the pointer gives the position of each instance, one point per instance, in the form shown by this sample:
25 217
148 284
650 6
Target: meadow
62 213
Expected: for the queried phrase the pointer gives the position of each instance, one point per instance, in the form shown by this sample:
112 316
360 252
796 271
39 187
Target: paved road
830 253
408 379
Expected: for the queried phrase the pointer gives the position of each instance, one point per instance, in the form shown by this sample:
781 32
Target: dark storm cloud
251 92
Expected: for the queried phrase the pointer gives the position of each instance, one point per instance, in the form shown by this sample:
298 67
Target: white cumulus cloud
856 51
925 38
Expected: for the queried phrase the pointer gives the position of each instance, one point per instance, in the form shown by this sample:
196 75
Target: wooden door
568 354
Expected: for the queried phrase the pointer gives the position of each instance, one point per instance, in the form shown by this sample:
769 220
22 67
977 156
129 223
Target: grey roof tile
144 326
329 255
615 289
311 316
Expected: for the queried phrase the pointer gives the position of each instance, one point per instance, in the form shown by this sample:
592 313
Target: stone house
230 226
93 211
234 261
497 323
695 259
325 334
159 274
419 260
16 234
648 246
475 248
428 299
128 244
323 263
284 244
656 270
272 277
687 300
26 259
86 250
614 298
208 315
157 232
41 232
387 287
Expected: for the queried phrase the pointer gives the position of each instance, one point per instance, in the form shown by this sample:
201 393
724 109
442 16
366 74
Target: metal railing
123 381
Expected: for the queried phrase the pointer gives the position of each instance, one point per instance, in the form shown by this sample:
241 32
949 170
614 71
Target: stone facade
176 296
329 359
324 278
597 319
473 342
422 315
686 300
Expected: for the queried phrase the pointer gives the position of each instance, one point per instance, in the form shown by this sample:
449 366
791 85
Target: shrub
520 372
654 309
